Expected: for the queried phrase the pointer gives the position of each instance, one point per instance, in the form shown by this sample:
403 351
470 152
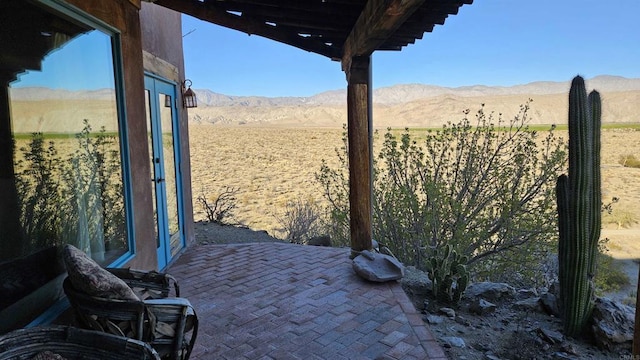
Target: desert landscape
270 149
273 166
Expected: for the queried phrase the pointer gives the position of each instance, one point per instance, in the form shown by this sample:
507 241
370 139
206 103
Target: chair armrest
170 321
147 284
177 301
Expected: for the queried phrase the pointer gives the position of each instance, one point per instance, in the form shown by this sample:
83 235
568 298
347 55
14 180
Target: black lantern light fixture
188 96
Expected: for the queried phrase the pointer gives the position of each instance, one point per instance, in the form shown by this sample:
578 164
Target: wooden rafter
338 29
377 22
246 23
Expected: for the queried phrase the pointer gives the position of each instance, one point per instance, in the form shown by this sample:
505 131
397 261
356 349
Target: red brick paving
286 301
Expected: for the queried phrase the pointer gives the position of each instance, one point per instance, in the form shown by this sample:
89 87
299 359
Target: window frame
58 307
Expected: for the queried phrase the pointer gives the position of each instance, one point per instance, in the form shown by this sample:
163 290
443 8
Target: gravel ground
211 233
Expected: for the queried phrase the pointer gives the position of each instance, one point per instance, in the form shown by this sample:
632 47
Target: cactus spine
579 203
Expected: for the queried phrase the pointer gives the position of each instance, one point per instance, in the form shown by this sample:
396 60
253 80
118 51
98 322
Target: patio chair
130 303
71 344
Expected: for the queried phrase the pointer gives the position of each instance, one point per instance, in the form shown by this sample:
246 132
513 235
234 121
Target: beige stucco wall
163 56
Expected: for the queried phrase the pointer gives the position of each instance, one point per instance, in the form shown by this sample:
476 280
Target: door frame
157 85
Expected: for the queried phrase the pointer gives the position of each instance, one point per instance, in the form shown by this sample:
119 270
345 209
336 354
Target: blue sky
491 42
82 64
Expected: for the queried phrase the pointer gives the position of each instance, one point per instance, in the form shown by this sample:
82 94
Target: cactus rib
579 201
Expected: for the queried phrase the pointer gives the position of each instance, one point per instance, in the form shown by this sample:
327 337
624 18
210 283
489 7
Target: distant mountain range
417 105
399 94
412 105
43 93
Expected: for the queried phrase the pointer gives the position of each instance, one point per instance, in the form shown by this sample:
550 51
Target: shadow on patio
286 301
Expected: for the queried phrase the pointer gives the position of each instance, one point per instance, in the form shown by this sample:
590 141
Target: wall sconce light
167 101
188 96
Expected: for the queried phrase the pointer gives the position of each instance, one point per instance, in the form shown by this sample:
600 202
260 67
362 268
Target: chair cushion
89 277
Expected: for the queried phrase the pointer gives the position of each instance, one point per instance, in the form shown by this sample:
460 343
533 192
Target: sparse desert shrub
610 276
335 183
300 221
486 189
622 218
220 210
631 299
629 160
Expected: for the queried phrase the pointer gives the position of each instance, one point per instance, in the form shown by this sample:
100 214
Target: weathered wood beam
312 6
207 11
360 156
377 22
330 12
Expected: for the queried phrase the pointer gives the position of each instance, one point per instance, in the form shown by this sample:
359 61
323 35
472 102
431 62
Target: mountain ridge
403 93
404 105
419 105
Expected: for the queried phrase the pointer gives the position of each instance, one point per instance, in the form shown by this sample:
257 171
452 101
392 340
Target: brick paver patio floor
286 301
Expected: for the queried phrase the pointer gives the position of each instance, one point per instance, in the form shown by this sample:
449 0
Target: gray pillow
89 277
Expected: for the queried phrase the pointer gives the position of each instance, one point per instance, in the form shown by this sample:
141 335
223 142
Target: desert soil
273 166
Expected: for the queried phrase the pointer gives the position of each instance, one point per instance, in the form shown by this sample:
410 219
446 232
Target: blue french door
162 131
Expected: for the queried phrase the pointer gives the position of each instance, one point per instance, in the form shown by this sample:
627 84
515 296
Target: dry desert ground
271 166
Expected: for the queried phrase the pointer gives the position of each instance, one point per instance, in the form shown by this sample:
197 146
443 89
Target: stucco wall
162 33
163 56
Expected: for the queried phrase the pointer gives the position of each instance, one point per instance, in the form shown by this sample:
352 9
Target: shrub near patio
484 187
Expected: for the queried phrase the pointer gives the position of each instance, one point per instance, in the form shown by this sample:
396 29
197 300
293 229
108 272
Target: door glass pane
166 120
154 170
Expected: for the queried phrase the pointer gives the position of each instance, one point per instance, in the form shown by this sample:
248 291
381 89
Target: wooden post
360 156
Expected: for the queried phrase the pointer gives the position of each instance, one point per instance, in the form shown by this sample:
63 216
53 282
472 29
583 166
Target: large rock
613 325
550 299
550 336
377 267
416 282
523 294
453 341
481 306
490 291
448 311
549 304
530 304
321 240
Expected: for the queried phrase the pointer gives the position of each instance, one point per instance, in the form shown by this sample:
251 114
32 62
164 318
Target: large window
62 165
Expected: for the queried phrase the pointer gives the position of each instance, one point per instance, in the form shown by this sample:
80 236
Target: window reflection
61 178
67 157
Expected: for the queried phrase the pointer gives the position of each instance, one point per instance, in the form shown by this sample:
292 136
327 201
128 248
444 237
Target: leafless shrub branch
220 210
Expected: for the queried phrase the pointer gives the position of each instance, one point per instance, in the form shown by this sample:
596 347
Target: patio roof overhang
337 29
348 31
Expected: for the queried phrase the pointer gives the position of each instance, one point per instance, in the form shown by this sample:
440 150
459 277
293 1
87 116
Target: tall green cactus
579 201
